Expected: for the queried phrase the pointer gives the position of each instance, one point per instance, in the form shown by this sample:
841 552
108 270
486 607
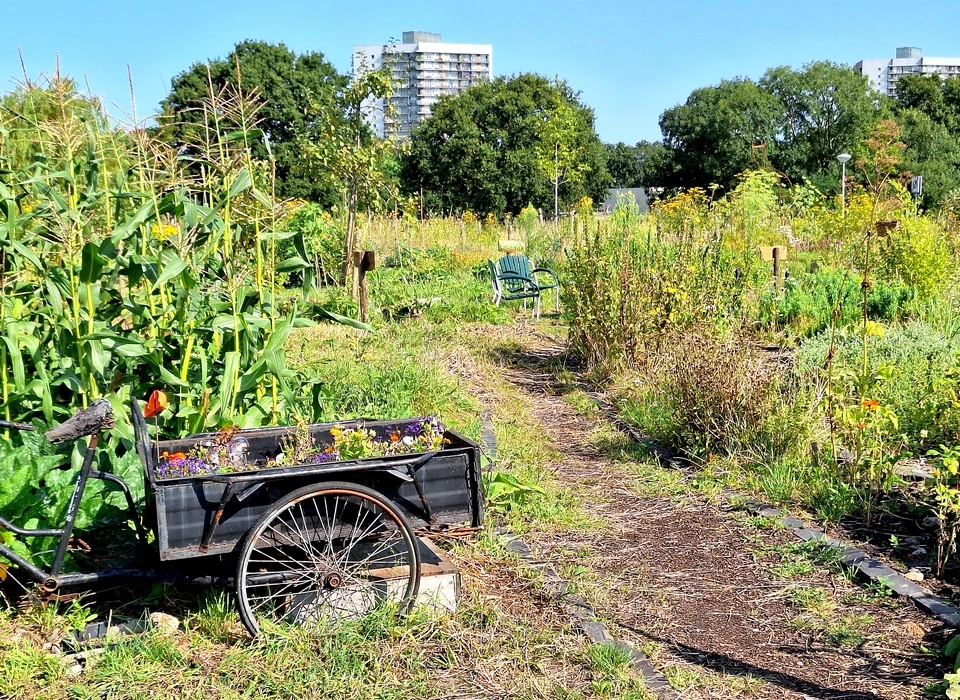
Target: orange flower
395 436
155 404
861 425
870 404
175 456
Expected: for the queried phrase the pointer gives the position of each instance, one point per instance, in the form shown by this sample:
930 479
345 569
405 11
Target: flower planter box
209 514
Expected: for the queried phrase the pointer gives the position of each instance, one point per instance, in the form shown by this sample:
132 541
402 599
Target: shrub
916 252
708 393
921 388
809 300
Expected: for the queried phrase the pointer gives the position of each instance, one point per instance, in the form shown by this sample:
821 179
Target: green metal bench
514 278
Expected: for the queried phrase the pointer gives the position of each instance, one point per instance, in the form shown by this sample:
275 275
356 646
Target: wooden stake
367 261
776 269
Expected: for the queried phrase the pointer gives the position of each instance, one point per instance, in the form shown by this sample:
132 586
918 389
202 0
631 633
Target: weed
582 403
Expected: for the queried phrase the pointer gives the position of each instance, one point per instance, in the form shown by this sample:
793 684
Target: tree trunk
351 242
556 180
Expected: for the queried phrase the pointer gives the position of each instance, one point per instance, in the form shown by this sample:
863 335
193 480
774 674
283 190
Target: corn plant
126 266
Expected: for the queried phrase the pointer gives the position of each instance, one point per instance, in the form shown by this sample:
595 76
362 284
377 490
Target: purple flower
414 429
184 466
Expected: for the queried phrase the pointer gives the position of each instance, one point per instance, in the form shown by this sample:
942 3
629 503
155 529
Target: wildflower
870 404
861 425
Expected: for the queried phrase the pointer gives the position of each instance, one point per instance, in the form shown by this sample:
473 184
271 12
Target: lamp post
843 158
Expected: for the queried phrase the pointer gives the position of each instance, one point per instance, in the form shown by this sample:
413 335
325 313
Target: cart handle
15 426
89 421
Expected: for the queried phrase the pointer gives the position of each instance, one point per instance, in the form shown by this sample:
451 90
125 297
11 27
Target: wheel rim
326 557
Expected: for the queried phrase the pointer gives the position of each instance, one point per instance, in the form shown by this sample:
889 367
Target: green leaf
16 361
291 264
345 320
170 266
228 385
91 264
241 182
951 648
27 253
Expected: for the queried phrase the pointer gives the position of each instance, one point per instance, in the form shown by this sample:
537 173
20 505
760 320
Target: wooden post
777 254
776 269
367 262
355 273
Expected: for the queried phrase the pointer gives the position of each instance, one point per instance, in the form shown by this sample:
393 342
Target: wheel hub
332 581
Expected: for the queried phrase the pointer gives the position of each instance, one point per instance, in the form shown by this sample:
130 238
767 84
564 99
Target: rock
913 575
930 522
164 624
912 541
919 552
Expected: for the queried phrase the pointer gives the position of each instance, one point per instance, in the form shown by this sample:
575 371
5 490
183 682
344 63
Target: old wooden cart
301 543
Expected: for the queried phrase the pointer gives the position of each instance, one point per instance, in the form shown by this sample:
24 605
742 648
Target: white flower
407 440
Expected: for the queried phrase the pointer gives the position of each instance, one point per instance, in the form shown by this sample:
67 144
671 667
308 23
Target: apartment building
424 69
884 73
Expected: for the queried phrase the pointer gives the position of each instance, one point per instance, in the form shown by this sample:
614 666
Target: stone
919 552
913 575
930 522
164 624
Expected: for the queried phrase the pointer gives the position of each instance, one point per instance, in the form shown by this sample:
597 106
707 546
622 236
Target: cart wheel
324 554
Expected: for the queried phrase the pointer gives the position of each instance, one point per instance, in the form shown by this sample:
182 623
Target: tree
489 149
712 136
826 109
346 149
925 94
296 91
931 152
646 164
561 155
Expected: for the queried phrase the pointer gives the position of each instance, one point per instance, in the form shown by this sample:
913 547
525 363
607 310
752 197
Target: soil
690 582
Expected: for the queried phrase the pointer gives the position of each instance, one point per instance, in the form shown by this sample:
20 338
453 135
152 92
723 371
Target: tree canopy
795 121
502 145
645 164
713 135
295 90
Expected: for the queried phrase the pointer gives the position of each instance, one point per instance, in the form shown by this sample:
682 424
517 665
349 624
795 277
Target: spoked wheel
326 553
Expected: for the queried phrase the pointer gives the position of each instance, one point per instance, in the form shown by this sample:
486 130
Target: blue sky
629 59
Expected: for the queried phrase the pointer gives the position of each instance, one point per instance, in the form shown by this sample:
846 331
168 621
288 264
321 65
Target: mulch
689 581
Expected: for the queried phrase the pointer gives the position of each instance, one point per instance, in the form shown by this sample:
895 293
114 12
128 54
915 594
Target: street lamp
843 158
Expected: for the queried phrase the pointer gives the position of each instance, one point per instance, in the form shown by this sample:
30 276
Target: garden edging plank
872 568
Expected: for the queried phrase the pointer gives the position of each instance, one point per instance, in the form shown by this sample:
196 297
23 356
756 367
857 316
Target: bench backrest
515 265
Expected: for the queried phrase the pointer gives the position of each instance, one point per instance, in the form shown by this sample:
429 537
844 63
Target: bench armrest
549 272
511 277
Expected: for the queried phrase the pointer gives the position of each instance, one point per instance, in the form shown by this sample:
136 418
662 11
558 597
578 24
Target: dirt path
726 607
